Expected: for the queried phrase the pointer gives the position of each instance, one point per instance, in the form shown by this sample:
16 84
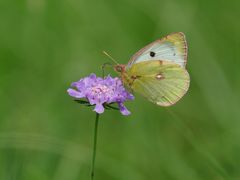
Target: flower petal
99 108
130 96
123 109
75 93
92 76
79 85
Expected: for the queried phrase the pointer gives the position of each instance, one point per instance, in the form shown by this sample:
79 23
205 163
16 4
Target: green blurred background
44 135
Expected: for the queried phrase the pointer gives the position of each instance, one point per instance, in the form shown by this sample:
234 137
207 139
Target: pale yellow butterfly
158 71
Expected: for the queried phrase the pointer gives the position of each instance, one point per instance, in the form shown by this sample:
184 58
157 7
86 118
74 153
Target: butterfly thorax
126 78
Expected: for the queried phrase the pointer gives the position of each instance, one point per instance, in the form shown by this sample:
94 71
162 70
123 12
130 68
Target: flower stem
94 145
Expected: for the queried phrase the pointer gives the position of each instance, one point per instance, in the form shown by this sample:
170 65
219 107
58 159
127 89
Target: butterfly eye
152 54
119 69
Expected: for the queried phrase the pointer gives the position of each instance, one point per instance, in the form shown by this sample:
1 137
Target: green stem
94 145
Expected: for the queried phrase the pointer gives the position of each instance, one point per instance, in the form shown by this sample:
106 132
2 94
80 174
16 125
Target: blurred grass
45 45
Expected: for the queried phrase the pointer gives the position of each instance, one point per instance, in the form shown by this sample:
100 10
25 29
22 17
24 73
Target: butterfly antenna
110 57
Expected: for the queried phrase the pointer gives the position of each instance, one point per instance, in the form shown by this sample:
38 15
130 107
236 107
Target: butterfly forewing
172 48
161 82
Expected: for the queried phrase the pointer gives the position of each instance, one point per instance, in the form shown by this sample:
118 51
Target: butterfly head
119 68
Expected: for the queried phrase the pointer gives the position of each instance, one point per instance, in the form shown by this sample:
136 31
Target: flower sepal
105 105
83 102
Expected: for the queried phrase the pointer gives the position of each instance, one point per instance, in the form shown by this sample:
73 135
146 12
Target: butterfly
158 71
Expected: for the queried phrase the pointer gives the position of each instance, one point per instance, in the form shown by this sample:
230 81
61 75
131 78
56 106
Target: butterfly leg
104 66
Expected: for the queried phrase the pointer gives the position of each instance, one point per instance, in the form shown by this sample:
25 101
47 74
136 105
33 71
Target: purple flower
101 92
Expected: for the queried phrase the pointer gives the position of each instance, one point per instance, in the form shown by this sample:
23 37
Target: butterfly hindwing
172 48
161 82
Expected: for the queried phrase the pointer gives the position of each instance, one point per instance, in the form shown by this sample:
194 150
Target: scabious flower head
101 91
